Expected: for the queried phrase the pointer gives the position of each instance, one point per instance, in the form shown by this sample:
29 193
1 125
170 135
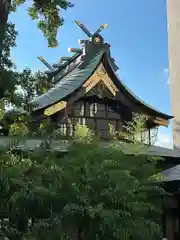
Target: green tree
32 84
136 131
7 67
8 80
28 85
47 12
93 191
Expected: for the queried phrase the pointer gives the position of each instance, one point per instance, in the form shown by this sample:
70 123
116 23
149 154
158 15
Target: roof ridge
68 62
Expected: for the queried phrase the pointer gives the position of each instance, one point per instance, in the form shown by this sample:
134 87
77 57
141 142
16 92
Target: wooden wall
171 218
96 115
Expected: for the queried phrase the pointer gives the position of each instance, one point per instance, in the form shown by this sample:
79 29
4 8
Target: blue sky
137 32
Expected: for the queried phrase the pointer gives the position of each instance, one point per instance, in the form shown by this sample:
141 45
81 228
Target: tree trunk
4 11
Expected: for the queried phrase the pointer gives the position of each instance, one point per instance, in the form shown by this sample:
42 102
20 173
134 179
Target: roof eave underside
130 95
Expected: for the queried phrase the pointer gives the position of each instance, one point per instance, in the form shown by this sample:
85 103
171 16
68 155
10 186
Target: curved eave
135 100
69 83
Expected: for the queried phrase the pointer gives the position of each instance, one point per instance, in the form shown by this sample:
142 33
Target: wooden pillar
173 21
149 136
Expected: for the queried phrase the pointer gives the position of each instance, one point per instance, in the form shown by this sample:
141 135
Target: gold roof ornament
103 26
63 59
87 32
74 50
82 41
55 108
46 63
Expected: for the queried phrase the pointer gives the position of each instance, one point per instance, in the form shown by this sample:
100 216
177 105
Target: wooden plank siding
95 115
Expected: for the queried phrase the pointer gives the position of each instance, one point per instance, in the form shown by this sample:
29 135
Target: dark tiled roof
60 145
69 83
171 174
152 151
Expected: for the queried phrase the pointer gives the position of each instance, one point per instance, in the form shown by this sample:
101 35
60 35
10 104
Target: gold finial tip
63 59
40 58
75 50
105 25
80 41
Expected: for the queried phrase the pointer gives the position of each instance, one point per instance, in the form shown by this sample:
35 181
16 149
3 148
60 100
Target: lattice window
82 121
93 109
70 129
63 128
82 110
142 137
145 137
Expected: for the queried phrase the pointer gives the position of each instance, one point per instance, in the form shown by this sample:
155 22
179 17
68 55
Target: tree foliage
30 85
8 43
93 191
7 75
136 131
48 14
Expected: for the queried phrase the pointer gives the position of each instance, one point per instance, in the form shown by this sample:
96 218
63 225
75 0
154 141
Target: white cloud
164 140
166 74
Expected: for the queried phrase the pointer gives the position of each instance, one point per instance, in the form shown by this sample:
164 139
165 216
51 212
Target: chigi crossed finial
87 31
75 50
92 37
